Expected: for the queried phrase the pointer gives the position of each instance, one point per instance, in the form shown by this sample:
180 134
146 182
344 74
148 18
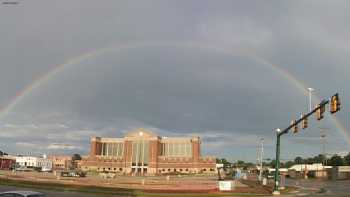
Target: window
120 169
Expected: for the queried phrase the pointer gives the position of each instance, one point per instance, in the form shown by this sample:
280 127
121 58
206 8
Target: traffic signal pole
279 133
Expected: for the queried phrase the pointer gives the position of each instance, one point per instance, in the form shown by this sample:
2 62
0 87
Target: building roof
310 167
141 134
280 169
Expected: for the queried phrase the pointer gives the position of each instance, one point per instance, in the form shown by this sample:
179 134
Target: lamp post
277 178
261 158
310 98
323 141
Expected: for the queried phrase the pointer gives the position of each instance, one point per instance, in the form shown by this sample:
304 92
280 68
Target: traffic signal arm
321 105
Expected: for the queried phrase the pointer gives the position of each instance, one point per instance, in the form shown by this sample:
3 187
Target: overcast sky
176 67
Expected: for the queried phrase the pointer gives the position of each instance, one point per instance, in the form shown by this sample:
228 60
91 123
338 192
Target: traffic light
321 109
295 127
335 104
304 123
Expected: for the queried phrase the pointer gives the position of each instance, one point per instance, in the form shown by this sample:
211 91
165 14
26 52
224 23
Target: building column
153 156
195 152
127 156
195 149
95 146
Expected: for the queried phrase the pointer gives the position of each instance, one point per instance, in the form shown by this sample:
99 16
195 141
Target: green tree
347 159
319 158
76 157
289 164
273 163
298 160
223 161
309 160
336 160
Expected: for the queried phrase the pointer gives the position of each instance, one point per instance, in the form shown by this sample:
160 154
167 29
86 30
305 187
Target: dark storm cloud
175 90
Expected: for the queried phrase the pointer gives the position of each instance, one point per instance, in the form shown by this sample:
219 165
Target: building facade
30 162
61 162
141 152
7 163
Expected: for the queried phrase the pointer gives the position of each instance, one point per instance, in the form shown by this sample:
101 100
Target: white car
21 194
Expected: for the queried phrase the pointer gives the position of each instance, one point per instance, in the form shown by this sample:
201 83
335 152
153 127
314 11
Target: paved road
314 187
55 193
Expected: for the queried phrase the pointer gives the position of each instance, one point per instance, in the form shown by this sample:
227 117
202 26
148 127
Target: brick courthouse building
141 152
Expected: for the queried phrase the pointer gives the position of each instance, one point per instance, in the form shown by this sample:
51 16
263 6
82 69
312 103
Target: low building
60 162
31 162
316 170
339 173
7 163
141 152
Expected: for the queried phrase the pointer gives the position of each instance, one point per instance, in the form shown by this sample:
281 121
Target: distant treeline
335 160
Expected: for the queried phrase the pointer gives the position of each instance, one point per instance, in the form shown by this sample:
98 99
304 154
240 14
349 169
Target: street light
278 130
310 99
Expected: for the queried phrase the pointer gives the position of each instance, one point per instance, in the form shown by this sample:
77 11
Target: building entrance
140 154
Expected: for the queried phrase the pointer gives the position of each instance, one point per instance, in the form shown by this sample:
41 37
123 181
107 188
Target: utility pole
323 141
261 158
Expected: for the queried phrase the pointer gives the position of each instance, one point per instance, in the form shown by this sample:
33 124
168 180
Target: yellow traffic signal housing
304 123
295 127
335 104
320 111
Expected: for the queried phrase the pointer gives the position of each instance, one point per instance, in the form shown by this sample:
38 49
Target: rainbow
38 81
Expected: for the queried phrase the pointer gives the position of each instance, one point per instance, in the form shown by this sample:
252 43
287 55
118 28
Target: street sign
226 185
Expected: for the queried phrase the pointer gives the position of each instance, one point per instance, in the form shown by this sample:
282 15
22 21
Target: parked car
23 168
46 169
73 173
21 194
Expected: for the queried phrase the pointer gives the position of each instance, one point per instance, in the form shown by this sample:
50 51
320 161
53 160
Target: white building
28 162
309 167
316 170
